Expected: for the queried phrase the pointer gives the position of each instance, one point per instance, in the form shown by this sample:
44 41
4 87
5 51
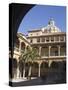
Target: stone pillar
49 63
18 73
24 73
49 50
58 50
40 51
39 70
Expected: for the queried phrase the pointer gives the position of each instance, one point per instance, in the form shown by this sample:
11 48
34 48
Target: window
52 39
56 53
47 39
43 39
22 46
57 38
38 39
61 38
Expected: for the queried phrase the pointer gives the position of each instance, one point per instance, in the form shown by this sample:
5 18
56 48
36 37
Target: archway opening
23 46
54 51
35 69
44 69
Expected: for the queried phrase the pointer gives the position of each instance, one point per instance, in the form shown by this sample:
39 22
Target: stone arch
44 51
35 67
44 64
17 20
23 46
37 49
54 65
17 43
63 50
62 66
54 51
44 68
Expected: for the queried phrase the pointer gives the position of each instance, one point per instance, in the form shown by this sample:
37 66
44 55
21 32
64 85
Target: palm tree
29 56
33 55
24 58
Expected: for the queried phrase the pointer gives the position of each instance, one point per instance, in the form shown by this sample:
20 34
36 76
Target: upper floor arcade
49 34
49 38
20 44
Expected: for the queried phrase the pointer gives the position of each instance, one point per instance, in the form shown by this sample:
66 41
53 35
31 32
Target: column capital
49 46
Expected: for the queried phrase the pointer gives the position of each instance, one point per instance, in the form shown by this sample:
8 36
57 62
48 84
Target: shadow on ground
50 78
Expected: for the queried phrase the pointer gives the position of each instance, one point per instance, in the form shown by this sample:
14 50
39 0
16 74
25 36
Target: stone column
39 70
49 63
40 51
49 50
18 73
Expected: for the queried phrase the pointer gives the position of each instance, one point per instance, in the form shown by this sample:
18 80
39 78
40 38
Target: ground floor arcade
39 68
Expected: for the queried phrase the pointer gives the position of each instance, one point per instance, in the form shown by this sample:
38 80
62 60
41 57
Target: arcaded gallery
50 43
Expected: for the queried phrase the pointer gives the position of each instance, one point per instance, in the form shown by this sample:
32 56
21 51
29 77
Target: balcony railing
49 40
18 50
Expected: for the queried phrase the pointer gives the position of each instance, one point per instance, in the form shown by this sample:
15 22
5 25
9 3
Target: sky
39 16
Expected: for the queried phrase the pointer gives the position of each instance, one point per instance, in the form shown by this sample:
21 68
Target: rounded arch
44 69
44 65
17 43
44 51
23 46
37 49
63 50
17 18
35 66
54 51
54 65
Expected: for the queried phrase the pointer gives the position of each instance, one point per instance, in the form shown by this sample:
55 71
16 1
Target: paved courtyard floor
51 78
